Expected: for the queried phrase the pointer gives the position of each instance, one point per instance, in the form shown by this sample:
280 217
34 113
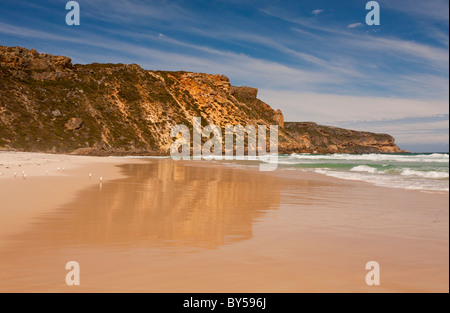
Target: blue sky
314 60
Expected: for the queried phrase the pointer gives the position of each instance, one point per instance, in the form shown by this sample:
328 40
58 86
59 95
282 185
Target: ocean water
427 172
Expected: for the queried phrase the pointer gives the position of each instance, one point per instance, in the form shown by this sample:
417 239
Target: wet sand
157 225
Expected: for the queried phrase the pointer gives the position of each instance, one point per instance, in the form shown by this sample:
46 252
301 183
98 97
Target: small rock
244 92
56 113
74 123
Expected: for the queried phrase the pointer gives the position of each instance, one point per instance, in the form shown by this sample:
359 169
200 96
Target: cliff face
47 104
311 137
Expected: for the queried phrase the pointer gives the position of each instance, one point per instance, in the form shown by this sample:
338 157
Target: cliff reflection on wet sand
164 203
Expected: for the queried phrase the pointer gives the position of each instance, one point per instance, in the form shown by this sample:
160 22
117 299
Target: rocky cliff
47 104
313 138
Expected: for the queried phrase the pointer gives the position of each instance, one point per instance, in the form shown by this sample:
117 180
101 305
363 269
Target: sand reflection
164 203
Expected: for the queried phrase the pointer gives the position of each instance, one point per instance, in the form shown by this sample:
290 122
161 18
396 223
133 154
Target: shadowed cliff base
47 104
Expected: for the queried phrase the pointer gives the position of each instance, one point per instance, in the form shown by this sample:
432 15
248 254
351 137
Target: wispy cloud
438 119
410 133
355 25
340 36
335 108
136 11
433 55
328 70
432 9
233 64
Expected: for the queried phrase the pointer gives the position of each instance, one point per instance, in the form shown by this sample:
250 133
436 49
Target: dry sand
157 225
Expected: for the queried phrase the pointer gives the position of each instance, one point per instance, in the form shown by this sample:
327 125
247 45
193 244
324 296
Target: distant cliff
47 104
311 137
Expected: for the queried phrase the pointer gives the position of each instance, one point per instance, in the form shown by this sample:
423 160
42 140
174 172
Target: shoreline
309 224
68 161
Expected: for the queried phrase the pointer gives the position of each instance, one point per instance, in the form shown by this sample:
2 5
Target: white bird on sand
90 175
101 179
1 173
15 174
24 176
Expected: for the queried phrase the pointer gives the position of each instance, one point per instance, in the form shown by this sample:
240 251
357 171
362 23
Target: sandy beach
157 225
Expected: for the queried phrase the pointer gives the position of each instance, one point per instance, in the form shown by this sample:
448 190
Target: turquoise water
428 172
424 171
